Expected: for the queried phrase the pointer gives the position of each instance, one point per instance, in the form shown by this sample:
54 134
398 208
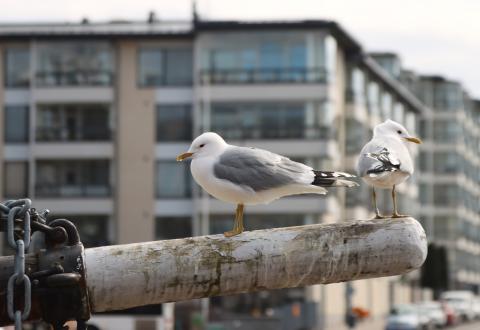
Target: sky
440 37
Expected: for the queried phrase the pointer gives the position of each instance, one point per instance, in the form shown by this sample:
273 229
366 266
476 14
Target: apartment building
450 177
447 171
94 115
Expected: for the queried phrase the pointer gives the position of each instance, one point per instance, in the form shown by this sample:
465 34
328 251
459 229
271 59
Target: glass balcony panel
82 122
165 66
74 64
72 179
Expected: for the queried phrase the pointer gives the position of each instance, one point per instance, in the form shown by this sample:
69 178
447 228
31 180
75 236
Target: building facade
448 171
93 116
450 177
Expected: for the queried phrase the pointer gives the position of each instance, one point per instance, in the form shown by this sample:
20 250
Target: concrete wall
134 151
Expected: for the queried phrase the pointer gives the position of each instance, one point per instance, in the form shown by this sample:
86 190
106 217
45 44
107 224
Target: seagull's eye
202 145
399 132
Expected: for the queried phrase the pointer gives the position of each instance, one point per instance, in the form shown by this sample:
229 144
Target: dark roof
120 29
439 79
349 43
381 54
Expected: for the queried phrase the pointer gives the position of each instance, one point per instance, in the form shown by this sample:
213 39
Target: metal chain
18 209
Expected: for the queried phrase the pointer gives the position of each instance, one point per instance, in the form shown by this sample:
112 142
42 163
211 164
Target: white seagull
385 161
249 176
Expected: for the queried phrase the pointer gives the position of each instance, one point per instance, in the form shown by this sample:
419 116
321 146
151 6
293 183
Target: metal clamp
60 282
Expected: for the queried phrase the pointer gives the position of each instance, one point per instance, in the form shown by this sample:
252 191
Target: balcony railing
74 78
289 133
262 76
54 134
72 191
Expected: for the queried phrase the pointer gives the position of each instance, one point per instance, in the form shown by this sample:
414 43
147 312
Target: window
73 178
423 161
445 195
165 67
373 99
16 124
179 67
82 122
17 67
356 135
75 64
273 59
265 121
173 180
446 131
424 193
151 67
15 183
386 106
173 227
357 87
399 114
447 162
174 122
448 96
443 227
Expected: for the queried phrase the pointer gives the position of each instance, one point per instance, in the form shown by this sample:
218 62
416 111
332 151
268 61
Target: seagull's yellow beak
414 140
184 155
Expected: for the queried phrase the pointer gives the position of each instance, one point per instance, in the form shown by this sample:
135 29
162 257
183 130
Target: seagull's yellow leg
238 224
240 208
374 199
394 198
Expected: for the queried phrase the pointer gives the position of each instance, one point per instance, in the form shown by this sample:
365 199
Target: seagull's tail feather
333 179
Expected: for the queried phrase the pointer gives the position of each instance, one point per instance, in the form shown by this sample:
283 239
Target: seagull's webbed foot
398 215
233 232
379 216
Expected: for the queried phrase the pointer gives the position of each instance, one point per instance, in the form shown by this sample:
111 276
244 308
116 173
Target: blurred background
97 99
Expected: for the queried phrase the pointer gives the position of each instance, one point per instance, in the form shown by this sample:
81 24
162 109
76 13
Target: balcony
56 134
72 178
74 78
288 133
72 191
264 76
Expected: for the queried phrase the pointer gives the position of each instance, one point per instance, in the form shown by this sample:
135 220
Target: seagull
249 176
385 161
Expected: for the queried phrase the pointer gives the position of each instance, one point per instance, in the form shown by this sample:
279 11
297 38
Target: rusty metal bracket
62 295
59 284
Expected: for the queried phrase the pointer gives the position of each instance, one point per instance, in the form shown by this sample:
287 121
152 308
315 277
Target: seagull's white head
207 144
393 129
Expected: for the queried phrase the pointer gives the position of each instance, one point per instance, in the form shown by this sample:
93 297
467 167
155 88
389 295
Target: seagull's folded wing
260 169
375 158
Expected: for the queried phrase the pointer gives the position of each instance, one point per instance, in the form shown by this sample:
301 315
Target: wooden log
130 275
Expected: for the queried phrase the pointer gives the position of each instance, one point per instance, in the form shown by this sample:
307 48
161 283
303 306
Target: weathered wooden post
124 276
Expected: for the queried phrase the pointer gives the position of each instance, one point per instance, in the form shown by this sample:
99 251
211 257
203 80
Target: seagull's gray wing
376 158
258 169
